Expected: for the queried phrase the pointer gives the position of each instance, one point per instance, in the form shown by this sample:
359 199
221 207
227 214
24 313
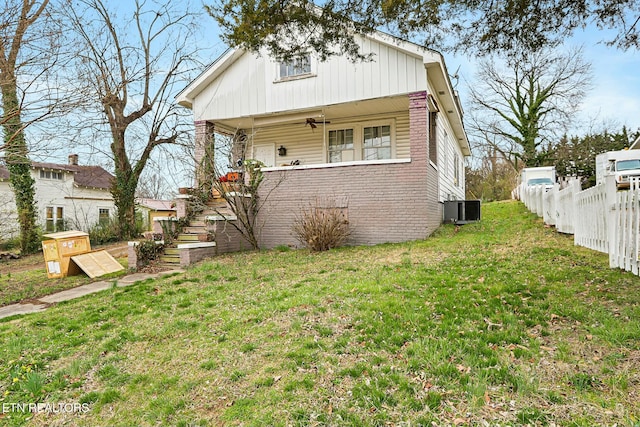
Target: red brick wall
203 136
227 238
386 202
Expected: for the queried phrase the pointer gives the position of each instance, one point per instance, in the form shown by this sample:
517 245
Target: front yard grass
503 322
32 283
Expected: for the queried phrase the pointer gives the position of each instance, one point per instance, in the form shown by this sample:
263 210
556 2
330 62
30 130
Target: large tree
522 108
132 64
24 55
286 27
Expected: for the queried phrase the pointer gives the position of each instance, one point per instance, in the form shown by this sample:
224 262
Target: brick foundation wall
392 202
227 238
193 255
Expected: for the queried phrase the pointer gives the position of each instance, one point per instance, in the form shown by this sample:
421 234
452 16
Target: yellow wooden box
59 250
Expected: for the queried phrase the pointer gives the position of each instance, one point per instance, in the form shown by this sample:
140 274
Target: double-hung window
340 145
376 143
103 216
54 220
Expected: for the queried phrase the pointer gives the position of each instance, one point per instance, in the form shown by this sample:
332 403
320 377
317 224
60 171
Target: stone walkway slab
80 291
15 309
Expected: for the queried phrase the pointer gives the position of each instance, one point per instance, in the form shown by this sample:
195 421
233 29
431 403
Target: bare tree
226 172
132 67
152 186
28 51
521 110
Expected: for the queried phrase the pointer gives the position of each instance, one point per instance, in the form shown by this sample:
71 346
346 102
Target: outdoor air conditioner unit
461 211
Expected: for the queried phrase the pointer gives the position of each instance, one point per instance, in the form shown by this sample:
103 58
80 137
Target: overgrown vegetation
237 179
147 251
503 322
322 226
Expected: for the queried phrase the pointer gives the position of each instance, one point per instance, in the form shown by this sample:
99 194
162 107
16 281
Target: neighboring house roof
157 205
84 176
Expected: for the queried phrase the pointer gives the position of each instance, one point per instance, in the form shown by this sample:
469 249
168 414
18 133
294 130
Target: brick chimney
73 159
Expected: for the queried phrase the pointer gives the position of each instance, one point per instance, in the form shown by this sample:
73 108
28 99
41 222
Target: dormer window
295 67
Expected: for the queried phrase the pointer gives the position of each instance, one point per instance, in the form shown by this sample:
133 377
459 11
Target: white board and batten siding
250 85
449 153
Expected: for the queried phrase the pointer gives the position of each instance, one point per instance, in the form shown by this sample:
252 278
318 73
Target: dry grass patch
497 323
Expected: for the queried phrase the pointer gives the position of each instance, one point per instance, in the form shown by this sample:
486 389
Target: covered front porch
369 158
351 133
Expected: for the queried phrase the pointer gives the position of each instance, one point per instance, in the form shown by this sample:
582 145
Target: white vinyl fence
600 218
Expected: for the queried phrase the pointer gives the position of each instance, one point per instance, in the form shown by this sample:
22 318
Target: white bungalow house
66 195
384 140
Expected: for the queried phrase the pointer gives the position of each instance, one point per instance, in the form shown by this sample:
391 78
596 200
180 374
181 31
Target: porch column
418 123
203 150
419 138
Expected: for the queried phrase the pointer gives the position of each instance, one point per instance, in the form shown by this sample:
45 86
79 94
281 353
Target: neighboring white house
68 196
384 139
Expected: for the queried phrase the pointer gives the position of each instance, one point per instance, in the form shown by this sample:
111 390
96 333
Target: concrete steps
194 237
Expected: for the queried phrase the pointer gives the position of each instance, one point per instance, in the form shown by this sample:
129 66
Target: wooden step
184 237
194 229
172 251
170 259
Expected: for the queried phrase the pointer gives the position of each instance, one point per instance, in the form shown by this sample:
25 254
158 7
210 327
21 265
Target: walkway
40 304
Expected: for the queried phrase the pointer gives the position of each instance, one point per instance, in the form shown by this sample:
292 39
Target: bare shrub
321 228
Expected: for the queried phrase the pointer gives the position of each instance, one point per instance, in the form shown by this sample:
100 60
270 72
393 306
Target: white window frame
52 175
456 169
392 154
358 137
301 74
55 219
342 150
108 213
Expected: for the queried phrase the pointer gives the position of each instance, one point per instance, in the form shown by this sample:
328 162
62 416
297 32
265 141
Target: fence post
610 219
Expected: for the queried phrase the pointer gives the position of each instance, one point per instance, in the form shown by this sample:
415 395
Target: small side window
295 67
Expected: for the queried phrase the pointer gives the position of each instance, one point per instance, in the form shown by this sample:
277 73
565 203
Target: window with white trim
103 216
295 67
433 137
376 143
340 145
54 219
51 175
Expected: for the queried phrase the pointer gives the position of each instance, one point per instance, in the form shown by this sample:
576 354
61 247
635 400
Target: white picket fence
600 218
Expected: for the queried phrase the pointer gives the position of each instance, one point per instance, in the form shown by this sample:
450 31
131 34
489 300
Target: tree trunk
19 167
124 187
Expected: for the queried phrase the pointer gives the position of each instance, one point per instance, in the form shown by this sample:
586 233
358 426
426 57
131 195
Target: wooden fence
600 218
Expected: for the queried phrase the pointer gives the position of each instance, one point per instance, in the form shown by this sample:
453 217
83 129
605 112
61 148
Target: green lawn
32 283
503 322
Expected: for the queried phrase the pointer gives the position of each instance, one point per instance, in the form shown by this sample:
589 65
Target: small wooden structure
69 252
59 250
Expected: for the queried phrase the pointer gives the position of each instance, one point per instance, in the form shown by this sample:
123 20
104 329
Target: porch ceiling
334 113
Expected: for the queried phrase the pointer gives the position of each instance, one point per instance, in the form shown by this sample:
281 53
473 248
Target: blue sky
614 99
